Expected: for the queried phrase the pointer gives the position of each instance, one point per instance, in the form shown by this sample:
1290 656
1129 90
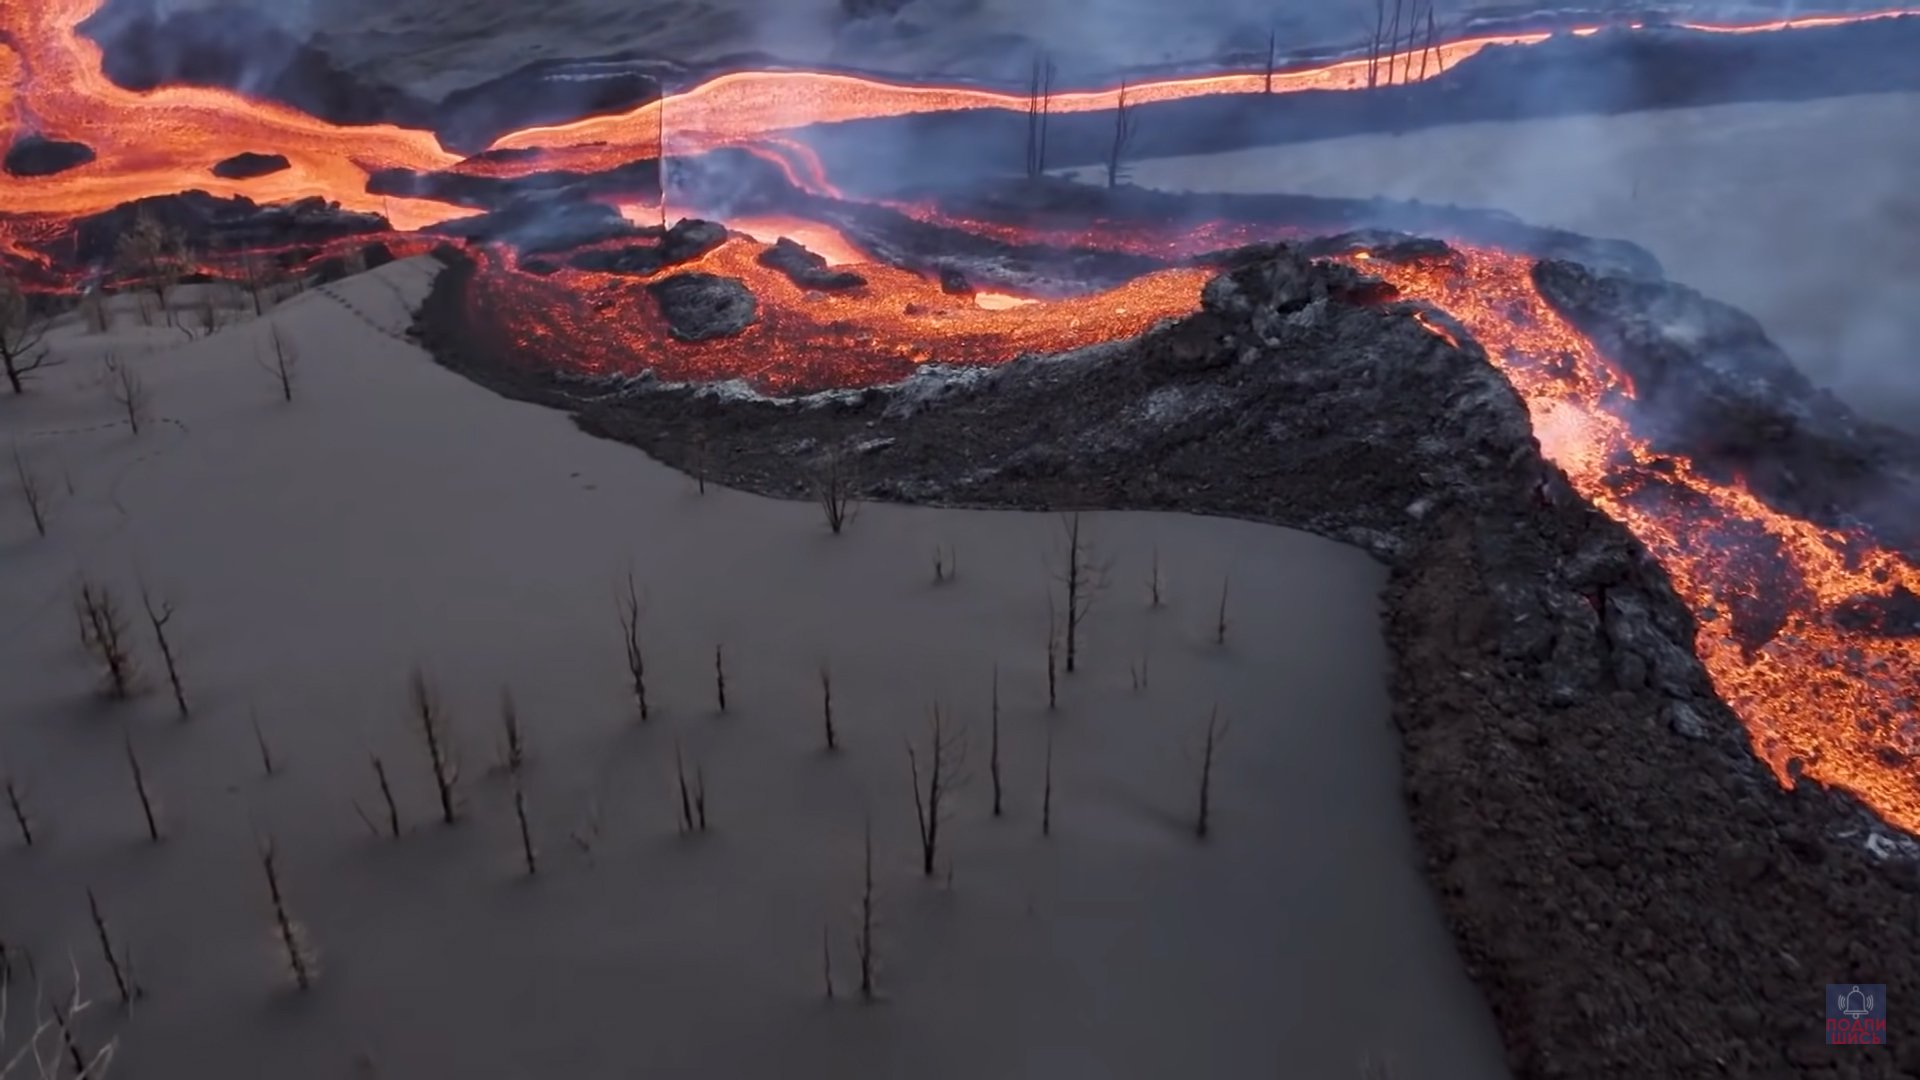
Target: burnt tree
159 615
23 329
103 634
1123 130
1039 112
1082 579
946 760
628 604
431 721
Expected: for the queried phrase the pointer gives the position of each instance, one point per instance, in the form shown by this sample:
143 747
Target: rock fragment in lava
685 242
35 155
807 269
247 165
700 307
954 283
1894 615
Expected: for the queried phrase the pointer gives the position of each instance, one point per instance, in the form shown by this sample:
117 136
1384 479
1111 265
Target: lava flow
1821 701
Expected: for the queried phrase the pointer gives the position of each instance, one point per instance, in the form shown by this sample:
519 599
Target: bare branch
31 490
628 605
23 330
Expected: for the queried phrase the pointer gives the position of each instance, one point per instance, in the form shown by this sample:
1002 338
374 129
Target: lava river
1820 701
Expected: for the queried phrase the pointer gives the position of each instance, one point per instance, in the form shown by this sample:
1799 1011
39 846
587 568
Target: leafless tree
833 490
693 796
1039 111
267 763
628 604
1273 43
117 964
282 362
826 707
432 721
513 750
1220 617
1393 40
17 805
526 834
993 750
256 275
1154 581
864 943
127 389
1375 42
140 789
1123 132
23 330
159 614
155 256
31 490
946 764
1053 654
1082 578
1216 731
700 451
103 634
293 939
720 676
386 796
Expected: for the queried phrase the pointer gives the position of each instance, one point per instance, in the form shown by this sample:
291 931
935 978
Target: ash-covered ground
1629 886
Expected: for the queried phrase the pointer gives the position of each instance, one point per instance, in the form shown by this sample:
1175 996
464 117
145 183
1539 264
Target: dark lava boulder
247 165
700 307
807 269
36 155
689 239
954 283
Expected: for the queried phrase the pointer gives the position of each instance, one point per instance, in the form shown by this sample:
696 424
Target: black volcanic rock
689 239
36 155
248 165
700 307
210 224
954 282
807 269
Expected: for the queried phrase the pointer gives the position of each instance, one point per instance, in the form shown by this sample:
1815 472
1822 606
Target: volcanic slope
395 514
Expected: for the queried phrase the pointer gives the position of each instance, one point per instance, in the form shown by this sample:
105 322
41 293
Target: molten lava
1820 700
